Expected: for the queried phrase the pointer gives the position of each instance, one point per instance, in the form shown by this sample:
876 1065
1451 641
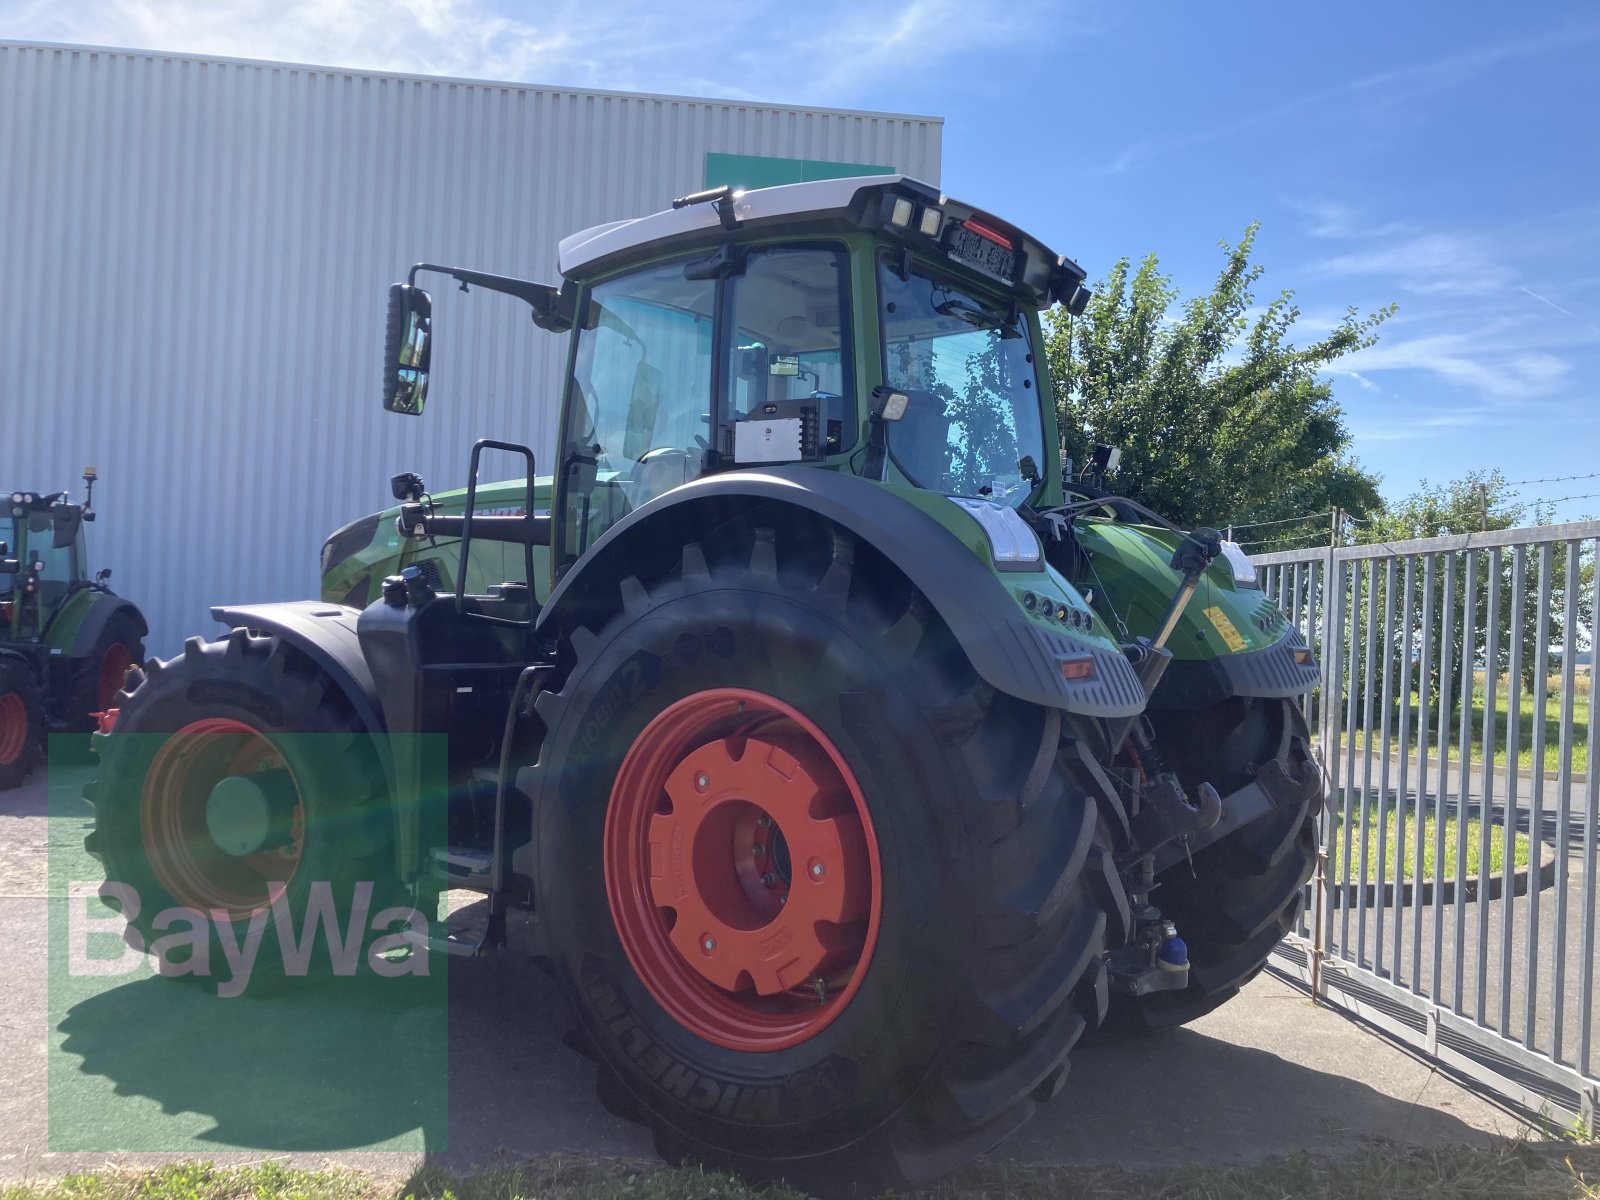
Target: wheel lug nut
764 821
702 781
709 944
768 879
816 870
758 849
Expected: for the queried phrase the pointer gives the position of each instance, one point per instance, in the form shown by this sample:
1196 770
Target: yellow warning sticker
1219 622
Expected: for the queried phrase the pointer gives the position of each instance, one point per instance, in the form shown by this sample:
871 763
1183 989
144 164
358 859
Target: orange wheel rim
202 860
13 727
113 670
742 870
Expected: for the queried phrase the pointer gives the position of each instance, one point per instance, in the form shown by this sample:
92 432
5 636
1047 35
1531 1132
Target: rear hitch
1157 960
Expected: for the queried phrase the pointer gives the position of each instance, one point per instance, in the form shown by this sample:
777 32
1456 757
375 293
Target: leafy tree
1479 500
1220 418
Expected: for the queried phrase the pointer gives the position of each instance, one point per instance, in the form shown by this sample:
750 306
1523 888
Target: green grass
1512 1171
1497 851
1525 729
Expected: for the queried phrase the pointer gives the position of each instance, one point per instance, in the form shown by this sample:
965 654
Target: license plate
981 254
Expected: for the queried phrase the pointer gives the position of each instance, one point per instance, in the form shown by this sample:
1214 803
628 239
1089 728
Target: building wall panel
197 253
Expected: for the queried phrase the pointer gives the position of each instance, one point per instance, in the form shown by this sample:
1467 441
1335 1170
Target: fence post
1330 677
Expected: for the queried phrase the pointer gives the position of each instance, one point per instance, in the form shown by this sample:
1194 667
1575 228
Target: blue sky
1443 157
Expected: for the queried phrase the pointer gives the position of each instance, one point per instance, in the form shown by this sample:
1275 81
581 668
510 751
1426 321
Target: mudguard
1012 653
98 617
326 634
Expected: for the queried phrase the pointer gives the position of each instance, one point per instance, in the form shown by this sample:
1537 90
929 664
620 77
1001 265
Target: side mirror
103 574
407 350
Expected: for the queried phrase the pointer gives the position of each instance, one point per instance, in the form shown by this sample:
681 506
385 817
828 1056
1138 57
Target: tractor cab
66 641
41 560
866 326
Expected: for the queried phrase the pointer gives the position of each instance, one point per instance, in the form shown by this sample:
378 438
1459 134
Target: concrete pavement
1267 1074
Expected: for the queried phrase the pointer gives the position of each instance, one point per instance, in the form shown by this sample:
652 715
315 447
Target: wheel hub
735 921
742 869
244 813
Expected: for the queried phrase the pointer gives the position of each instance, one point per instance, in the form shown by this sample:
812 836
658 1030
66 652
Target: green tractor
852 759
66 640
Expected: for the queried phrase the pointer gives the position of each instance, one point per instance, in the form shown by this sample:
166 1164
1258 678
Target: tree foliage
1481 500
1220 418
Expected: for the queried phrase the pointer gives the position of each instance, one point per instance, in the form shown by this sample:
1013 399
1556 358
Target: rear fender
1011 652
94 622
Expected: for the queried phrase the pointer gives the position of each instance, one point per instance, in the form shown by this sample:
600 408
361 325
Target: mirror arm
552 306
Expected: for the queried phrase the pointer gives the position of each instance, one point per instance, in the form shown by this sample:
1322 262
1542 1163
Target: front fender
324 633
1012 651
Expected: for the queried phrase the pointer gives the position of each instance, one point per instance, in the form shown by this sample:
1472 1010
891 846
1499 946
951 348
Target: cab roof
851 203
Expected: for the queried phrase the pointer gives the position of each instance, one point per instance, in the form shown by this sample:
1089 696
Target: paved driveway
135 1062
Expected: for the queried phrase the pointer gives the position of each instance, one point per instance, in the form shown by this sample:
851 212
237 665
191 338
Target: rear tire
991 896
21 722
1246 891
250 708
119 646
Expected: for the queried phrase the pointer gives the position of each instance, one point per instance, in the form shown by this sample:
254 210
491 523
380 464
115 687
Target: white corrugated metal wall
196 254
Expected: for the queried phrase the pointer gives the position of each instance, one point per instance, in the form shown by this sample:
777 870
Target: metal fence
1454 905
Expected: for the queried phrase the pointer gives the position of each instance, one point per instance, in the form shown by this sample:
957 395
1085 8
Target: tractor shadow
336 1064
1214 1094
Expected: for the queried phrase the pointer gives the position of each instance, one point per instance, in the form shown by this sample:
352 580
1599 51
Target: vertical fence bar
1447 647
1508 906
1403 806
1363 833
1569 681
1469 656
1347 810
1332 672
1541 698
1424 691
1386 749
1491 741
1591 813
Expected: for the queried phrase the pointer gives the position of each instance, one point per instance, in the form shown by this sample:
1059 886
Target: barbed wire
1323 514
1564 499
1551 479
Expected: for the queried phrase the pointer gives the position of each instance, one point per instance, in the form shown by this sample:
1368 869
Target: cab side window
639 414
791 321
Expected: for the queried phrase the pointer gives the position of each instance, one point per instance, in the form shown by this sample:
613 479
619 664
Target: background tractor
806 706
66 640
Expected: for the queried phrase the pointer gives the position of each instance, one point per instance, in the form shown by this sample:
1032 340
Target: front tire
232 770
960 953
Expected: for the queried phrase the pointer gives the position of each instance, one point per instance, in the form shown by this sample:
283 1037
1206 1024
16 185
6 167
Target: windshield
973 426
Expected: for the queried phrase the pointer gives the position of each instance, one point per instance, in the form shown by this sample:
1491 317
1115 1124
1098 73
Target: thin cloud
1391 87
1457 264
633 45
1331 219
